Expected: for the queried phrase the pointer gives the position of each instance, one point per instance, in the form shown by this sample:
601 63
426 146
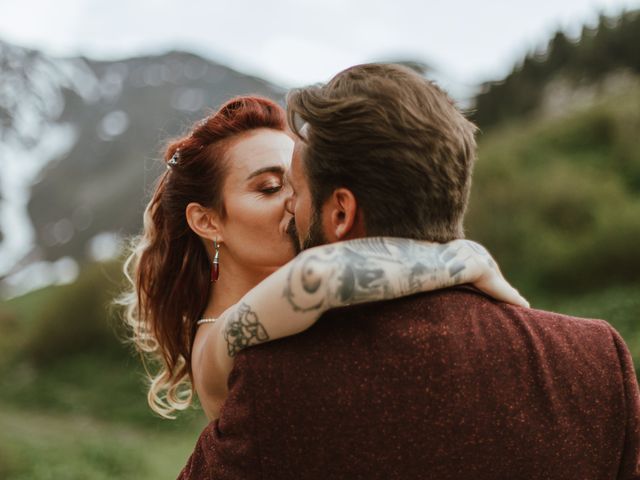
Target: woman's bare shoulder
209 379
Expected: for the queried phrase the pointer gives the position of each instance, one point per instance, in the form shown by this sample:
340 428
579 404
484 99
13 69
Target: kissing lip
290 228
286 225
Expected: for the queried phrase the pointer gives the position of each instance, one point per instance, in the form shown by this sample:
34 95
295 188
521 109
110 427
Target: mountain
79 139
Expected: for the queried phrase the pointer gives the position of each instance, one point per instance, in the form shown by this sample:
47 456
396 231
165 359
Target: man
443 385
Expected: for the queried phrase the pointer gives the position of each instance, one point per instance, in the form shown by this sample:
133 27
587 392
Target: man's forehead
295 171
298 153
298 147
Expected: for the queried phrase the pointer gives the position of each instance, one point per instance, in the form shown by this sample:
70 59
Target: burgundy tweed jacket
443 385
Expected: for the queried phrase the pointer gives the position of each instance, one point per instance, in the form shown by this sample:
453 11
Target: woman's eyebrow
260 171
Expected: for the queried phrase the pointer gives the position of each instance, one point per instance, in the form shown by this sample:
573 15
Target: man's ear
204 221
344 221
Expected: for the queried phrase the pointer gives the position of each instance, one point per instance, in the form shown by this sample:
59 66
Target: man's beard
315 236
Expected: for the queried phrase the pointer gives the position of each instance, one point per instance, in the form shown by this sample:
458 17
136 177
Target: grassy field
41 444
87 418
79 411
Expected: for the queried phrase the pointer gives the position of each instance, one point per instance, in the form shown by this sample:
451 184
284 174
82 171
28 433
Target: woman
212 272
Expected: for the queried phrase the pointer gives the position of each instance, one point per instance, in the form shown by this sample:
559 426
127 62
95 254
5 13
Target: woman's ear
343 215
204 221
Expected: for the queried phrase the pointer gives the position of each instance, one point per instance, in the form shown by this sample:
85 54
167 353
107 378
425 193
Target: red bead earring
215 267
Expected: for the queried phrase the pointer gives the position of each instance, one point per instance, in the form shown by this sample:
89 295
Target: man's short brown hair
395 140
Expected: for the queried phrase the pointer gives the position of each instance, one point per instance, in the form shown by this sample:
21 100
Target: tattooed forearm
482 252
243 329
376 268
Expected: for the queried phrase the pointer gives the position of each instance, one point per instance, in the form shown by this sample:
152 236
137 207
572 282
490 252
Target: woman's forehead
260 150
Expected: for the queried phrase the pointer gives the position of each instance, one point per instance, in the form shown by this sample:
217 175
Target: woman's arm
347 273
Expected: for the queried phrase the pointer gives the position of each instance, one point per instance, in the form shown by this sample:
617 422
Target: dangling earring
215 267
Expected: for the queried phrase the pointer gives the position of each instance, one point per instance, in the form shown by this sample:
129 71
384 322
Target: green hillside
558 201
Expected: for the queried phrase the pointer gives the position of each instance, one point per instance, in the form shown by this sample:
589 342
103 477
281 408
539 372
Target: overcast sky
295 42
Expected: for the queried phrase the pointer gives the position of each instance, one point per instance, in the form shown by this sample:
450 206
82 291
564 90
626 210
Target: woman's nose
289 200
290 205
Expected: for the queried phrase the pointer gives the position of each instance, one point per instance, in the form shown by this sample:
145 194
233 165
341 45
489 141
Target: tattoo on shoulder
244 330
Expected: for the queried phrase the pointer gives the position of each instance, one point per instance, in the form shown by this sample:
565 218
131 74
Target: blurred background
90 91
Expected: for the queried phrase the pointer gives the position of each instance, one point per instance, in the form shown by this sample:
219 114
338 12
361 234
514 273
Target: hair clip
173 161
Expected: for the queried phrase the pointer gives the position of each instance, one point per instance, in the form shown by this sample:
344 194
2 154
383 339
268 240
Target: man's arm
630 461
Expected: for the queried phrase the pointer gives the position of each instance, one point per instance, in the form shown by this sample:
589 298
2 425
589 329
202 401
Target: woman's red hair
168 268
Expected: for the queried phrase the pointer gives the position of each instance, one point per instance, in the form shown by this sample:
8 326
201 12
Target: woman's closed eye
270 189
